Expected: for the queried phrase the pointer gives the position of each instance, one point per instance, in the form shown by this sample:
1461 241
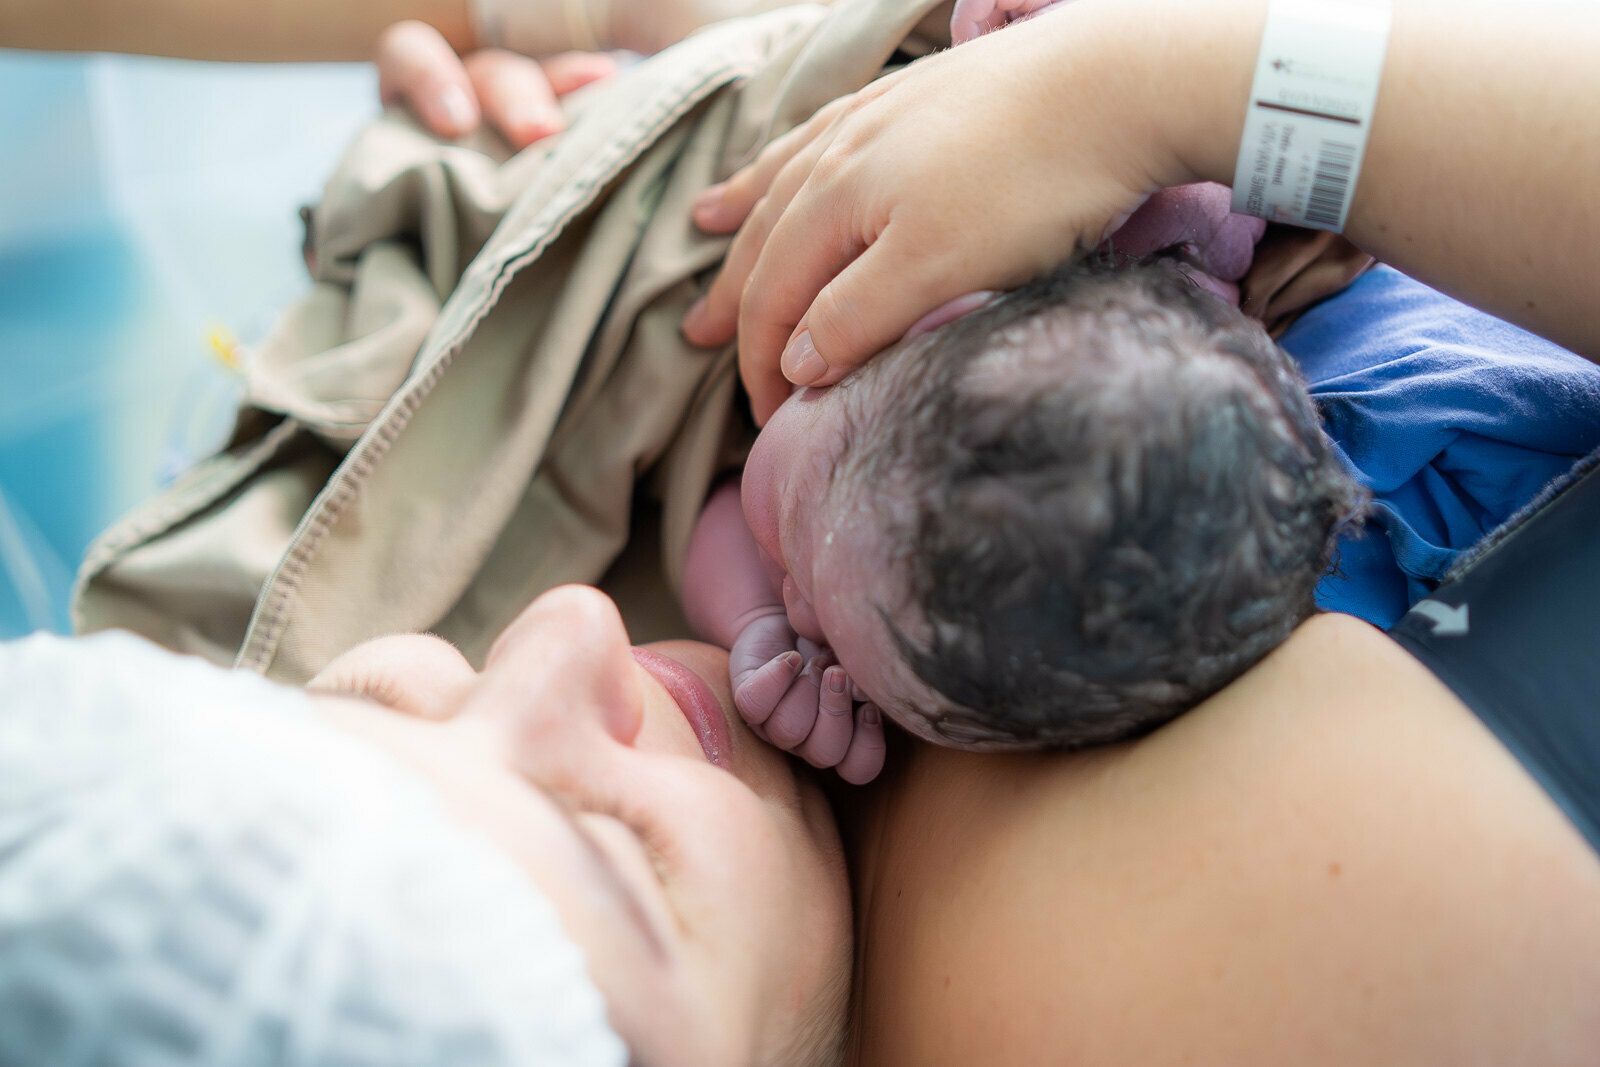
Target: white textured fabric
195 869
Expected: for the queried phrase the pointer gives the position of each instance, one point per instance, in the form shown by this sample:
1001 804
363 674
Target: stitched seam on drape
150 521
275 605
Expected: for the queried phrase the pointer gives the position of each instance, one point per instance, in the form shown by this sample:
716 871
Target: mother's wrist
543 27
1207 62
1174 74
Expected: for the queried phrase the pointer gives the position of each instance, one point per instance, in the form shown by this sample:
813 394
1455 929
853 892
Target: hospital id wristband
1311 104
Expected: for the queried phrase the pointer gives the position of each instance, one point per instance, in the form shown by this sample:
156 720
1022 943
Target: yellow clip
224 346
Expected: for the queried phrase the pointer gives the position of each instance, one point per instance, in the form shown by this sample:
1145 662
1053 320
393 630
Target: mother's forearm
1484 147
304 30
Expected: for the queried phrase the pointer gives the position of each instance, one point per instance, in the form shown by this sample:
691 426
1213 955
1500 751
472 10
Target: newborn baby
1058 521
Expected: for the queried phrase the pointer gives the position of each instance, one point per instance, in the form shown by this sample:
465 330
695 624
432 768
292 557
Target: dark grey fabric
1515 635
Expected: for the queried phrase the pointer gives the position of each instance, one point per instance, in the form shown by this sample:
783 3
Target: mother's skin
1330 862
882 206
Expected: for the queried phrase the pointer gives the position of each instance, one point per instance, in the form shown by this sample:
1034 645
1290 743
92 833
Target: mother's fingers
750 201
417 68
515 95
519 95
817 308
818 272
722 208
568 71
713 320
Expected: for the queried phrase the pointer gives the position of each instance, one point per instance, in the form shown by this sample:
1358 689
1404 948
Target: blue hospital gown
1452 418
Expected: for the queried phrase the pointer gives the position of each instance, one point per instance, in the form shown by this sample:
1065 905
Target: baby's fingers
830 737
797 713
758 692
865 759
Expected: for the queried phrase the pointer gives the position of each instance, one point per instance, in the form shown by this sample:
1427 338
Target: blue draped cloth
1452 418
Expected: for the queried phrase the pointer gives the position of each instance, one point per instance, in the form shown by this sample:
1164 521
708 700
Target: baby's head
1060 520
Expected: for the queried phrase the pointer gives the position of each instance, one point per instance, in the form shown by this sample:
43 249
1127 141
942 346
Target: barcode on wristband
1330 188
1311 105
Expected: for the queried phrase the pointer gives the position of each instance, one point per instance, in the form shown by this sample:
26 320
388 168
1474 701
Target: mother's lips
695 699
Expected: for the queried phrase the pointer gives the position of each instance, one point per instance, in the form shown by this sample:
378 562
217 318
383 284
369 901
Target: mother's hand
515 94
949 176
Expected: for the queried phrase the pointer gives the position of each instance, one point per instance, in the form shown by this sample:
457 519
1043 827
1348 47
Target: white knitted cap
194 869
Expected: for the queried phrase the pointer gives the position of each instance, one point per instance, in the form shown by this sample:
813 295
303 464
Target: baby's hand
794 694
974 18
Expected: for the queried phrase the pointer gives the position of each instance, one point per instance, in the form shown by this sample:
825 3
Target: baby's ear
949 312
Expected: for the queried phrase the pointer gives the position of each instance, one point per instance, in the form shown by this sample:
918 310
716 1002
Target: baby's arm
725 581
790 691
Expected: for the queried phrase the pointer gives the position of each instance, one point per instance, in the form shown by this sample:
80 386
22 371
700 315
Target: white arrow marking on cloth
1447 621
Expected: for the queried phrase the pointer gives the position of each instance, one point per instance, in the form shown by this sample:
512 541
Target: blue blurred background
145 205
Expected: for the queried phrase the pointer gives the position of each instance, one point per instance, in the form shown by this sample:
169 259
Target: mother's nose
562 669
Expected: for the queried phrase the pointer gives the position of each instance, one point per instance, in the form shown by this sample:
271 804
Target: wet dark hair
1106 494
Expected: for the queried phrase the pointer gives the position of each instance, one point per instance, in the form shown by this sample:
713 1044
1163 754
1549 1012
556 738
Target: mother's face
703 878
